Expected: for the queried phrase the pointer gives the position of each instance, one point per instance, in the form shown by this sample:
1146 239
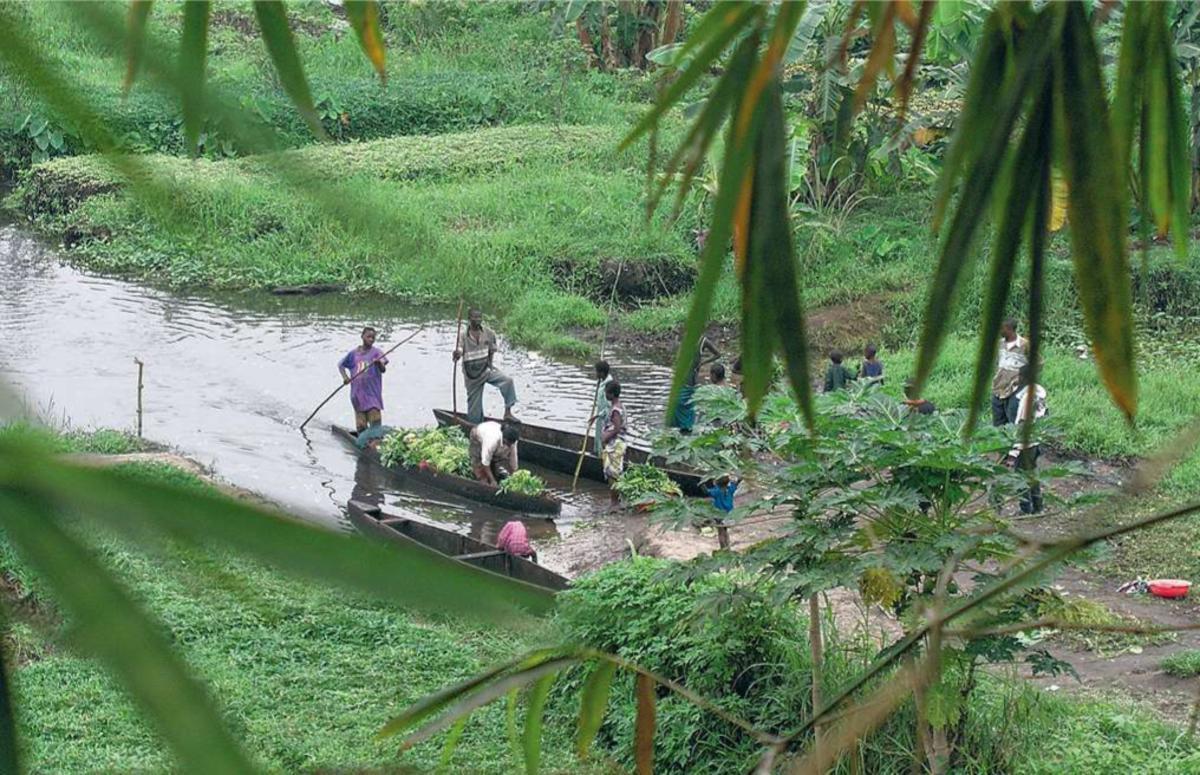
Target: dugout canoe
371 520
461 485
559 451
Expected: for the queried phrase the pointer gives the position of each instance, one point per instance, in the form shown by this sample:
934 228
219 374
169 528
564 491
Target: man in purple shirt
363 369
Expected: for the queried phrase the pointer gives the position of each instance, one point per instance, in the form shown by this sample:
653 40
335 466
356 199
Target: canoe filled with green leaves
439 458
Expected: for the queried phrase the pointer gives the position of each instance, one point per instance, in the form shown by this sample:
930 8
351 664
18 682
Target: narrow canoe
462 486
371 519
559 451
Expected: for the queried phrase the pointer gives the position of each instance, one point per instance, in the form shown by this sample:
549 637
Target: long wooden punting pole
612 298
454 366
353 377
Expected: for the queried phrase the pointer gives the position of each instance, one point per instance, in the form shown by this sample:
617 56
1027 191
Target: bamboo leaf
139 14
592 704
10 750
643 730
1127 99
510 723
1058 200
980 105
882 50
1155 141
1032 153
451 743
1098 244
719 27
273 23
1180 158
1032 60
531 738
407 574
192 54
1037 269
434 703
110 625
364 18
484 696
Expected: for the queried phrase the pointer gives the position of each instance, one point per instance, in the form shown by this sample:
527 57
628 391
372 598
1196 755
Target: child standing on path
872 368
613 437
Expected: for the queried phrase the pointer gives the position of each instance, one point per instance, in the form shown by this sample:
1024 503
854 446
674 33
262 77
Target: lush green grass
103 441
451 67
304 675
1184 664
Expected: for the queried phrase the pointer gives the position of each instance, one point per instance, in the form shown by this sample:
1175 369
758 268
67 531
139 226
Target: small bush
1184 664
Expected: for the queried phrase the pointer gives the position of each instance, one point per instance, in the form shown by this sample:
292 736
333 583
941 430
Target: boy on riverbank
362 368
836 375
613 438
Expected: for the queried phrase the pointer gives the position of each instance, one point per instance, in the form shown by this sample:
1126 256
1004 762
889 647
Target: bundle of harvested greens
523 483
442 449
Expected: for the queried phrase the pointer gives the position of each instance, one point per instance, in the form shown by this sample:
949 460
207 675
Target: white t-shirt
490 436
1037 411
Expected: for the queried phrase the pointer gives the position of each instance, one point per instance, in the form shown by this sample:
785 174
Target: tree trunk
672 22
816 648
608 52
647 32
589 46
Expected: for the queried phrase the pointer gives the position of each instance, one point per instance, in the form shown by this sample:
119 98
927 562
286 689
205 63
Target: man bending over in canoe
478 348
493 448
515 540
366 389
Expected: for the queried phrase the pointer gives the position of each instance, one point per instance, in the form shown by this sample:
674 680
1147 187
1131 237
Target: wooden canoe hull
464 487
559 451
371 519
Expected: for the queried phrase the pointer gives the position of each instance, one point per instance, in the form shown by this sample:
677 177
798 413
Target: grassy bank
534 222
304 675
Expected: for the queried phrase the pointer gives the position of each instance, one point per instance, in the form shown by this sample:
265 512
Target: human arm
504 537
512 459
828 380
345 366
380 362
618 425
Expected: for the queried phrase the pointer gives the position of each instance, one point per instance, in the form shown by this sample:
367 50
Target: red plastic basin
1169 587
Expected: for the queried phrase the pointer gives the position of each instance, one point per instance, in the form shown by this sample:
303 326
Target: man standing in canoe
363 369
493 448
603 377
478 348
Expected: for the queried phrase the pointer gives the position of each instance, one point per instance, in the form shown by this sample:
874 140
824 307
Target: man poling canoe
366 389
477 352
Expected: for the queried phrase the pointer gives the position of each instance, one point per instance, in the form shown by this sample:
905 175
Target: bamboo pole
353 377
141 366
596 393
454 366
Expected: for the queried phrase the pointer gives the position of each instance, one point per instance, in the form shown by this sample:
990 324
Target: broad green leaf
573 10
1031 71
192 57
1032 154
1180 158
510 723
110 625
451 743
1098 244
273 23
139 13
484 696
1155 141
436 702
643 730
802 38
592 704
719 27
1039 234
364 18
531 738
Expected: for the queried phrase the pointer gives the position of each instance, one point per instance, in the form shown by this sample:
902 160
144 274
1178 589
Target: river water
230 376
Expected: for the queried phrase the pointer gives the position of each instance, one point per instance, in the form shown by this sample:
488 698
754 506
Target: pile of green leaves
641 482
524 483
442 449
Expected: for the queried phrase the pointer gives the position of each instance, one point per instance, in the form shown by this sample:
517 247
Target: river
230 376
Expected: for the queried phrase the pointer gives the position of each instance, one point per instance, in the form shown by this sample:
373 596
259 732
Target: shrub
745 652
1184 664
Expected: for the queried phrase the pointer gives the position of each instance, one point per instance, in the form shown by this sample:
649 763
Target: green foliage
103 441
741 651
523 482
645 482
444 449
1182 664
1082 612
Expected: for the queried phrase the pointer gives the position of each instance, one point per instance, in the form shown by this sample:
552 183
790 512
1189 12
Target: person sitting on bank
362 368
613 438
836 375
493 449
872 368
716 374
477 353
514 540
916 403
603 377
